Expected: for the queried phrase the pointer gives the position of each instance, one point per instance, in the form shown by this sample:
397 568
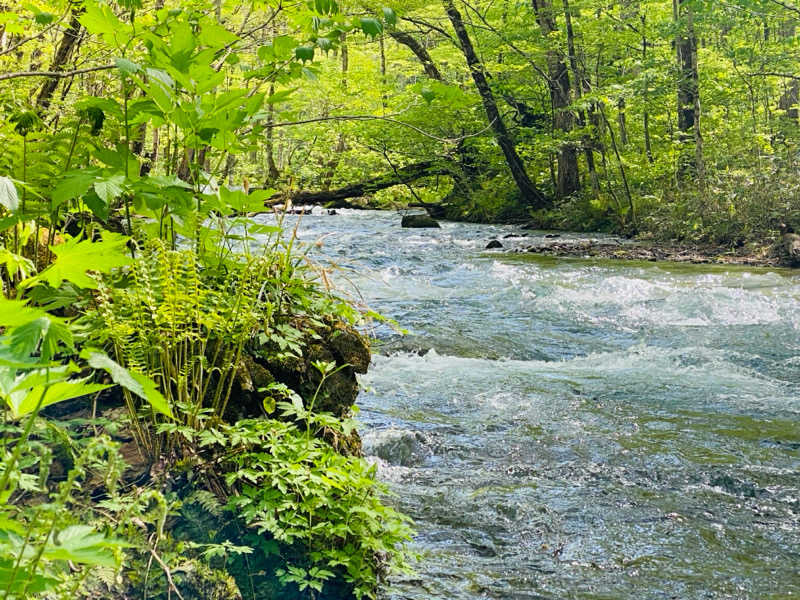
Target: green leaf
215 36
99 207
50 331
126 66
76 258
109 189
82 544
44 18
280 96
304 53
371 26
24 402
135 383
389 16
73 185
14 313
283 46
9 199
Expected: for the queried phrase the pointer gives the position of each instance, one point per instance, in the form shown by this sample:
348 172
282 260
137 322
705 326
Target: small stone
494 244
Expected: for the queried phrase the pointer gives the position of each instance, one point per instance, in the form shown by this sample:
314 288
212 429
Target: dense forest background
178 378
676 119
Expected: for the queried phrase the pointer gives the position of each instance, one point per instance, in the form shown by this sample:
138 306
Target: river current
563 429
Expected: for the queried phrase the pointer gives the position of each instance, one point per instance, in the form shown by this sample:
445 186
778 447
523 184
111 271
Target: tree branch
55 74
787 6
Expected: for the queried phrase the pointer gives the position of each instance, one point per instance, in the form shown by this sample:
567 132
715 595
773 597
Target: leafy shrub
305 495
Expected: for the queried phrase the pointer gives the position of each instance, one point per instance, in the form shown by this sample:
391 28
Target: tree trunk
579 81
530 194
688 93
568 181
419 51
65 48
400 176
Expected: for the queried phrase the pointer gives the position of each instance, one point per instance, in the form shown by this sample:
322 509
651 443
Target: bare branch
54 74
772 74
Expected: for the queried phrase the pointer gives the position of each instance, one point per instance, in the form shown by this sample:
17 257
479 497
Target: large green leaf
50 331
371 26
135 383
82 544
304 53
389 16
110 188
73 185
24 402
17 312
126 66
76 258
9 199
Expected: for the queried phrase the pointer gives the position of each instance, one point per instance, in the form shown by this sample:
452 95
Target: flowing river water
576 429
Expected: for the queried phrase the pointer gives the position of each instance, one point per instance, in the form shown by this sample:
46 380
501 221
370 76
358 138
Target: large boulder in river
419 222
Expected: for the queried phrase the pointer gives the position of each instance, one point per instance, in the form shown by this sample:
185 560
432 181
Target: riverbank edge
655 251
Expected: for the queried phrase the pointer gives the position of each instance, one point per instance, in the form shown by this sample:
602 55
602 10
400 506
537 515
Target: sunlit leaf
76 258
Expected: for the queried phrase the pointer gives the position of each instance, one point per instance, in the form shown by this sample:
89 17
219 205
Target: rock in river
419 222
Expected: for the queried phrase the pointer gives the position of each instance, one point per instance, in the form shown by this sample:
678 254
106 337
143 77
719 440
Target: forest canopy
678 119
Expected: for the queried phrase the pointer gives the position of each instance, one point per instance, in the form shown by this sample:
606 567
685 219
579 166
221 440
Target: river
576 429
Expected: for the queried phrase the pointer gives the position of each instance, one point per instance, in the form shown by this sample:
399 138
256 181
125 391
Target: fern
184 329
207 501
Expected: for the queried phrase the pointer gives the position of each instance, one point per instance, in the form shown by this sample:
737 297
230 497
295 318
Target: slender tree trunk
66 46
384 99
568 181
622 120
578 81
341 144
272 169
530 194
688 93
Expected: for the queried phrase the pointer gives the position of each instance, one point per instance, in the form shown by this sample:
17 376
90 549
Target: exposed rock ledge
617 249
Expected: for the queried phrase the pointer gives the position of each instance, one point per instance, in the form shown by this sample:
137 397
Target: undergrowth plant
297 489
185 329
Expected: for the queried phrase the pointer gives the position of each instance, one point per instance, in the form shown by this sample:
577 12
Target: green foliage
48 550
183 329
303 493
76 258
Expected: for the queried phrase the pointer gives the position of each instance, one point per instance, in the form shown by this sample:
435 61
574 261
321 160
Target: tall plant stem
126 197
